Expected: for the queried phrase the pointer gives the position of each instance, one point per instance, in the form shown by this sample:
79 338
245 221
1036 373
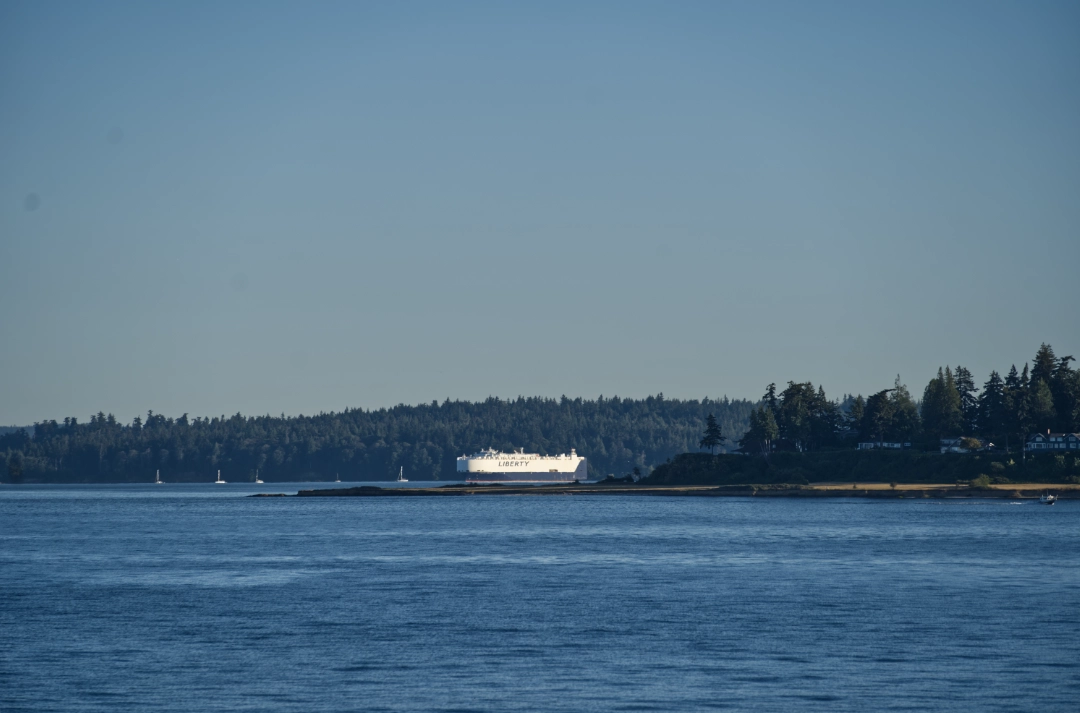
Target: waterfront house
1041 442
953 445
964 444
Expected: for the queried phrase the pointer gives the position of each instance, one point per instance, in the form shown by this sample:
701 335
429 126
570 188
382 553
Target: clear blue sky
294 207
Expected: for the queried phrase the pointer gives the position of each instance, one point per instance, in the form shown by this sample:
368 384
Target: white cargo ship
491 466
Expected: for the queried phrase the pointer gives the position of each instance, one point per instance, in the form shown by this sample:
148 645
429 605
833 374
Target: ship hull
580 473
522 478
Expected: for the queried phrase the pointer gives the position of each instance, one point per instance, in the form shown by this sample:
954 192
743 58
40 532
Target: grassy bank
906 467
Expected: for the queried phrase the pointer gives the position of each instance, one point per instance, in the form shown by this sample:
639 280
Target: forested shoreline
1005 411
618 436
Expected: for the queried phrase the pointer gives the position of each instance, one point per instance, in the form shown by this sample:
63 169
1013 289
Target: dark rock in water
359 490
612 479
472 485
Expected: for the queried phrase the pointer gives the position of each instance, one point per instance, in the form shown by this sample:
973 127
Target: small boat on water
401 475
338 478
219 481
257 479
157 478
1048 499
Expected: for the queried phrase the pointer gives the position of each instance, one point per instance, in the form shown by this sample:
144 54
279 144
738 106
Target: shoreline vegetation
868 466
793 434
616 435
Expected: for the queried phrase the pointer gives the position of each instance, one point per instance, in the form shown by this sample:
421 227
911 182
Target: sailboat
219 481
157 478
401 475
338 476
257 480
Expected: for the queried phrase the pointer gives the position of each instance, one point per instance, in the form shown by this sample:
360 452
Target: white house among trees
1053 442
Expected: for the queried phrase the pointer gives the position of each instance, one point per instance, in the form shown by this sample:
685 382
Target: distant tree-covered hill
616 435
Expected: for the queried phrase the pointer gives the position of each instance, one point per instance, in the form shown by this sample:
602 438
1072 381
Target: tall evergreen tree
769 430
793 417
941 414
905 419
1044 364
878 416
1065 388
712 438
993 408
1041 406
855 413
969 402
771 402
826 420
752 438
1015 414
762 432
933 401
1021 406
953 413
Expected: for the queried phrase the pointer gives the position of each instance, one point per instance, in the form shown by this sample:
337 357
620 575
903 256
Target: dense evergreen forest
1004 412
616 435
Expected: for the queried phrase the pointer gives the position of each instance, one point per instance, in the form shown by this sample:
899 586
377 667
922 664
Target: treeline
616 435
1004 411
1044 398
802 418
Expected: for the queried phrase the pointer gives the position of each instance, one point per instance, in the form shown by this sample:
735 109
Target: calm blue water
190 598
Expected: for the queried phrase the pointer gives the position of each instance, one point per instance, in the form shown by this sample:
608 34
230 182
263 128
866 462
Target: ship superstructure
491 466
